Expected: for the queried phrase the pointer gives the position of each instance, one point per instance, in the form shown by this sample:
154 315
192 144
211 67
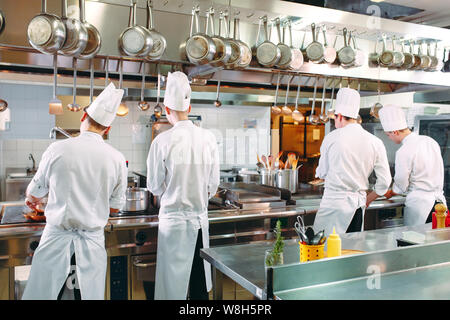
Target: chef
348 155
85 179
419 168
183 168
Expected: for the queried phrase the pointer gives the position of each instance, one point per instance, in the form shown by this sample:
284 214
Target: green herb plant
275 256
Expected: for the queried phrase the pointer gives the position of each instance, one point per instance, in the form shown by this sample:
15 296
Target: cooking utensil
286 110
264 161
46 32
143 105
346 55
267 53
245 51
55 105
217 103
314 119
330 111
182 47
377 106
358 118
360 55
399 57
297 55
137 199
200 48
425 60
387 56
76 34
309 235
223 46
287 179
285 50
135 41
158 109
235 48
409 59
434 61
417 59
94 42
275 109
74 107
296 114
91 81
317 237
374 57
315 50
159 41
329 54
123 108
323 117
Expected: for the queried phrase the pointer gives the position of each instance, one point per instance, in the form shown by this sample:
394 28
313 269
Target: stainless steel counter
244 263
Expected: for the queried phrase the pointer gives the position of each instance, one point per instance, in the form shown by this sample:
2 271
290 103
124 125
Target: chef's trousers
197 281
356 223
430 215
76 292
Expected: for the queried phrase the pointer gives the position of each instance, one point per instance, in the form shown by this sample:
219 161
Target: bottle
334 245
440 210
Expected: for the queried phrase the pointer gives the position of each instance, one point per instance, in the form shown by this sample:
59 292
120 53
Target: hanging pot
296 114
285 50
235 48
346 55
425 60
267 53
159 41
399 57
46 32
315 50
94 42
434 60
245 51
297 55
417 59
360 55
200 48
76 34
329 54
135 41
409 59
182 48
223 46
314 119
387 56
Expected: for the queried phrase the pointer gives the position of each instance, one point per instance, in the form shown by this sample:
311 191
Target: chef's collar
183 123
91 134
405 139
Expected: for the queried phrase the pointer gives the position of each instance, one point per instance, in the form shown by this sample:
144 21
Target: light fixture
377 0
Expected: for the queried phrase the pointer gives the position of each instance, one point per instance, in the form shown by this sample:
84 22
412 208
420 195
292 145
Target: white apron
51 264
418 205
177 237
337 209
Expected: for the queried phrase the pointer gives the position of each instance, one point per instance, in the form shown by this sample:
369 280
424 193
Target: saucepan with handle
94 42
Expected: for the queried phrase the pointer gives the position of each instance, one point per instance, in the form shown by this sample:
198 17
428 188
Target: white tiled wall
31 124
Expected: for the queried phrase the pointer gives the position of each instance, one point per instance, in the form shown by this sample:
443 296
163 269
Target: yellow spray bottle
334 245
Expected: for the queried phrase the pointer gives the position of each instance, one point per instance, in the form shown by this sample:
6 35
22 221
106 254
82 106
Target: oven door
143 271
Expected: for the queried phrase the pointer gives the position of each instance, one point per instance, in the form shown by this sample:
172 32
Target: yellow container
311 252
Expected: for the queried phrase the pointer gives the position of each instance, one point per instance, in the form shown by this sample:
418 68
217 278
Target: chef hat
178 91
347 103
103 109
392 118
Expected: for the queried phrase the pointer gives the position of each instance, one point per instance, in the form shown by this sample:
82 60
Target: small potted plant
275 256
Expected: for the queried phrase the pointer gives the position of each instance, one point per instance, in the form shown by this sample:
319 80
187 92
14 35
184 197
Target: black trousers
76 292
430 215
356 223
197 282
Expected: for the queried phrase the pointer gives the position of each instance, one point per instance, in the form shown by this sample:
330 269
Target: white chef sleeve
382 170
403 167
38 186
156 171
322 168
214 177
118 197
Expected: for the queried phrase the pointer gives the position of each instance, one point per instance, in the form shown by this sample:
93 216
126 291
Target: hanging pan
360 55
387 56
76 34
267 53
200 48
46 32
245 51
285 50
399 57
297 55
94 42
315 50
159 41
417 59
235 48
329 54
434 60
223 46
425 60
346 55
409 59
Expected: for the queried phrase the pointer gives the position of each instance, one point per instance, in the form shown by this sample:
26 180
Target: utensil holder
311 252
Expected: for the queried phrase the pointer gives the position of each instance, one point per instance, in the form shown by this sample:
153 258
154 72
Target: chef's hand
32 202
371 197
389 194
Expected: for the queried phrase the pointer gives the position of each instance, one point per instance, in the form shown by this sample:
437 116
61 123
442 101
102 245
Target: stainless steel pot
76 34
94 42
315 49
346 55
286 53
200 48
223 46
246 52
268 177
159 41
46 32
267 53
287 179
137 199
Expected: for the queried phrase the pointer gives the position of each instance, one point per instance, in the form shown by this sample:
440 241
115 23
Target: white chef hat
392 118
178 91
103 109
347 103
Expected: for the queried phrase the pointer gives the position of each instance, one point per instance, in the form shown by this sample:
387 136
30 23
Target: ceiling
429 12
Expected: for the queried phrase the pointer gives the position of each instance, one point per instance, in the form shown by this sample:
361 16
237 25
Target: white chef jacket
183 168
348 156
419 173
84 177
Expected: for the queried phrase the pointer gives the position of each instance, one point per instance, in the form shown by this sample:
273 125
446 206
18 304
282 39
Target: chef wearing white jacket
348 155
419 167
85 178
183 168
